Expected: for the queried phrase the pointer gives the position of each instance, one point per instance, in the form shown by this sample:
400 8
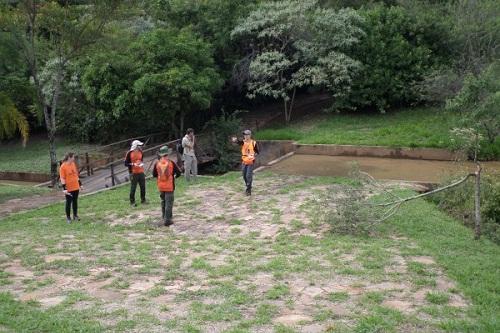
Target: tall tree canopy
294 44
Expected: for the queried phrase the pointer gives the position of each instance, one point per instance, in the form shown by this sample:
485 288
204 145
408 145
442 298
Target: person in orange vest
70 180
249 149
135 163
165 171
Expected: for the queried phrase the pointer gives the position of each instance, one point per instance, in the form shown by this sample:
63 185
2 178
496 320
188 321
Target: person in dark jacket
165 171
135 162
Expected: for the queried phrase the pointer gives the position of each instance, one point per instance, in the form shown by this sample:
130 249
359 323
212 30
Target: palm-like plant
11 120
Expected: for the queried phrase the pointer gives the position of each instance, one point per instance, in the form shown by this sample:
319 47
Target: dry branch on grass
355 212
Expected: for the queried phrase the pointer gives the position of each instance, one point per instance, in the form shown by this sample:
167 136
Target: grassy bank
12 191
237 264
35 156
475 265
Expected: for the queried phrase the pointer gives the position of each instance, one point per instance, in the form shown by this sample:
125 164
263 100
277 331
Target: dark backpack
179 147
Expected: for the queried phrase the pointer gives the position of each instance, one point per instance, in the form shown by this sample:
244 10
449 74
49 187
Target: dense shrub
397 52
221 129
477 103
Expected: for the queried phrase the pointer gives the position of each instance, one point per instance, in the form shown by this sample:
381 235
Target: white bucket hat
135 144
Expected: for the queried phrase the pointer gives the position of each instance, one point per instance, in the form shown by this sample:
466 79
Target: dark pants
134 179
247 175
72 200
167 203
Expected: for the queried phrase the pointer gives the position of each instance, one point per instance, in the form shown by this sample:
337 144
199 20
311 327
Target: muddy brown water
380 168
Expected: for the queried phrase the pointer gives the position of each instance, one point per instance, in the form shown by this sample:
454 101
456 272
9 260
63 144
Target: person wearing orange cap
165 171
249 149
134 162
70 180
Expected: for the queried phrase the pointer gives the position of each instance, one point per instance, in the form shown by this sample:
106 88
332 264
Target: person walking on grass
165 171
70 180
189 156
135 163
249 149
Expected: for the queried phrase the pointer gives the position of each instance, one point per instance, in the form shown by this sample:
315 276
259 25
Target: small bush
459 202
352 212
221 129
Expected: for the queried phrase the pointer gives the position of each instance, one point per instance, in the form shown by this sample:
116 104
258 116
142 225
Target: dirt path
28 203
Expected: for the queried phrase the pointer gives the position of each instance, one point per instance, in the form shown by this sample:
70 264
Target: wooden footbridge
104 167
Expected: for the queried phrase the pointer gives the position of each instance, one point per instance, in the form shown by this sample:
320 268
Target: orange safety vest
248 152
69 173
165 170
136 157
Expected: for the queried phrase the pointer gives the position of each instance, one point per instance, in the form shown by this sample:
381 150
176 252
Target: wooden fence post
87 162
112 167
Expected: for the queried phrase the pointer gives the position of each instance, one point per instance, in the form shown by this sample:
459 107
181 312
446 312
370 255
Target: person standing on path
165 171
189 156
135 163
249 149
70 180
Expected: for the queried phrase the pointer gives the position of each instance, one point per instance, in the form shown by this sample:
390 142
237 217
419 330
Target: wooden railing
115 158
104 156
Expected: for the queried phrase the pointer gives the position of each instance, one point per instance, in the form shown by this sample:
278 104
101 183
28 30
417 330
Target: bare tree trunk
291 105
477 203
286 110
53 157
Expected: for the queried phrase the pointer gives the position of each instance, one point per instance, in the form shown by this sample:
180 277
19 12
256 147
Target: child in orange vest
249 149
70 180
165 171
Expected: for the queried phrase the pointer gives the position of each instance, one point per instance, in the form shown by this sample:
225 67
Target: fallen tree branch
427 193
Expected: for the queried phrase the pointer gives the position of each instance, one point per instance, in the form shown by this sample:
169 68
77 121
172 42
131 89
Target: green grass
13 191
418 127
226 291
35 156
475 265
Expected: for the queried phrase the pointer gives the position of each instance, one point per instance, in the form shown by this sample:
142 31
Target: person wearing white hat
249 149
135 163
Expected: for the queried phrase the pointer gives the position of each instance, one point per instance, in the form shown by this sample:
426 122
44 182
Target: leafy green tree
177 75
11 120
296 44
14 80
162 78
396 56
478 103
51 34
212 20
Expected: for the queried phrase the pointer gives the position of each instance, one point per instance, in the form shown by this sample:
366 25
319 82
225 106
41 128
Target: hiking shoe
145 202
76 218
133 204
248 192
168 223
68 220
